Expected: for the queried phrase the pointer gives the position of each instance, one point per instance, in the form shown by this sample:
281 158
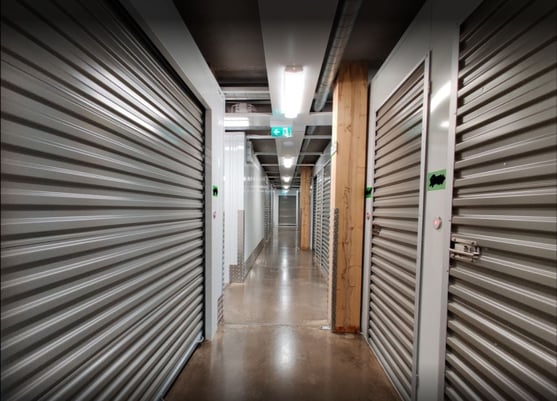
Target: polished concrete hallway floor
271 345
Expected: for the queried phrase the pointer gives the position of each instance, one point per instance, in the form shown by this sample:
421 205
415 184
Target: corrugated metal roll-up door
314 213
324 260
287 210
502 304
318 222
268 215
396 231
102 207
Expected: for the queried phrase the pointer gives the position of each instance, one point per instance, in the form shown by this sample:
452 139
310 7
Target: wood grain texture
350 115
305 183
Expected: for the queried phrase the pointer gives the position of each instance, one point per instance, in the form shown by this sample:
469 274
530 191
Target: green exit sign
281 132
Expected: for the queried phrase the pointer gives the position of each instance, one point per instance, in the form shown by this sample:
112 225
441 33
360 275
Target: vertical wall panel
502 303
396 229
102 207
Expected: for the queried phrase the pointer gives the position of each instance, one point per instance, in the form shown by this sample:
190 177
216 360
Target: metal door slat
398 236
63 127
509 314
394 201
504 385
498 84
506 361
399 153
409 161
516 292
400 92
507 25
539 357
459 375
407 126
399 121
102 207
391 296
409 226
496 49
391 324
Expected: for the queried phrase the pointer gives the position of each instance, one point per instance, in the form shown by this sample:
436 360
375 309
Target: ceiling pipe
337 44
345 20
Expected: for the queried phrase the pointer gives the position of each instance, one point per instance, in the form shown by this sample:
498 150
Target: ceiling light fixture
287 161
236 122
286 186
286 179
293 90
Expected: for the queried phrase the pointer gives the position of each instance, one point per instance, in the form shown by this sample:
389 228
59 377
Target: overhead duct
337 44
346 18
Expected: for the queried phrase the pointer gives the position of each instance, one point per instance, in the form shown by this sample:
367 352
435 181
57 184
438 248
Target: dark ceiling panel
309 159
321 130
228 34
264 145
317 145
268 159
378 27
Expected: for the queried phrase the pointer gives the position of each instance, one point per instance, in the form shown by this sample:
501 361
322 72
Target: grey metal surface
287 210
102 208
502 304
325 220
322 218
318 220
399 161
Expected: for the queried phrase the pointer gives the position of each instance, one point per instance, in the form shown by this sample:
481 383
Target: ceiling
248 43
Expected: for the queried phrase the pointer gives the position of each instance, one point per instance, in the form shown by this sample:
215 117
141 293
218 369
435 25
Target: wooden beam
305 183
348 169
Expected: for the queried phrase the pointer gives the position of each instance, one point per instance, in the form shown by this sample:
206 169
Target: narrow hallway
271 345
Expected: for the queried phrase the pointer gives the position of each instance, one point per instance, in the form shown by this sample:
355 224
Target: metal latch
464 249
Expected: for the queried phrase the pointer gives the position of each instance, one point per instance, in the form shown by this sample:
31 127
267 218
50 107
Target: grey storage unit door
317 221
287 210
325 218
396 231
502 306
102 207
268 213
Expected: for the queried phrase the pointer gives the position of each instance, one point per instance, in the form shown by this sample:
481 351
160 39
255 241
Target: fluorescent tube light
236 122
286 179
293 90
287 161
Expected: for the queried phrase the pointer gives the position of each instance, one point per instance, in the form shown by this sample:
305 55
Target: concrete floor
271 345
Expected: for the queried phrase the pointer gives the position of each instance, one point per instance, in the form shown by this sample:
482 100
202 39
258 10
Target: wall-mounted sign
436 180
281 132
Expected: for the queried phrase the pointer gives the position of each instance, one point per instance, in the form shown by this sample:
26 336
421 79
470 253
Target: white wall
254 205
162 23
233 194
433 31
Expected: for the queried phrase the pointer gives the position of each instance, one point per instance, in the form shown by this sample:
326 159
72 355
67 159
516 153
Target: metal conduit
337 44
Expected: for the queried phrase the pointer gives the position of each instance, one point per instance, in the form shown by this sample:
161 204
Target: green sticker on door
436 180
368 192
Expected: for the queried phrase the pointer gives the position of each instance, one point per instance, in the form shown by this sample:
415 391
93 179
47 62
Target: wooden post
348 170
305 182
